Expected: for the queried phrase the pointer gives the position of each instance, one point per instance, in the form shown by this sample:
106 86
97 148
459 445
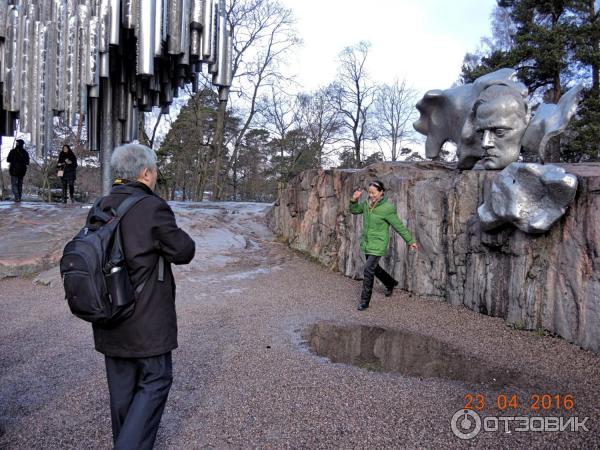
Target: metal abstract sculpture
490 120
104 61
530 196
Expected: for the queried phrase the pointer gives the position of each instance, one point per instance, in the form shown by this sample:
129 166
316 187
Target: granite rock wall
549 281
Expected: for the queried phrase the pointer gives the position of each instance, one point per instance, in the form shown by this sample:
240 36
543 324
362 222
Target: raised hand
356 195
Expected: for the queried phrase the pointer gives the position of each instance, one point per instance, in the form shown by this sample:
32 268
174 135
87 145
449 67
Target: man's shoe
388 290
362 306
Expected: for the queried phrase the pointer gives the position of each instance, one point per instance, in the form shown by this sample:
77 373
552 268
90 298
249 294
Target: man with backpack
18 158
138 348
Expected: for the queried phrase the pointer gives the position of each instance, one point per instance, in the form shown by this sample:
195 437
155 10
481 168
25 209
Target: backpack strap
128 203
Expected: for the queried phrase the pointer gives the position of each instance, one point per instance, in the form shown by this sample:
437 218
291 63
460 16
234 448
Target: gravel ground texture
245 376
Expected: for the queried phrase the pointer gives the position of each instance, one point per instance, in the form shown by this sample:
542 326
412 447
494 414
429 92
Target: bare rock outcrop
549 281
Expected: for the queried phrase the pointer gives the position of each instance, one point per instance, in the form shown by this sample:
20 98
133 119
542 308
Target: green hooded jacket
376 226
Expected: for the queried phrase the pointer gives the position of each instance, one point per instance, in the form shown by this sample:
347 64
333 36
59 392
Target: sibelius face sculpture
78 58
491 122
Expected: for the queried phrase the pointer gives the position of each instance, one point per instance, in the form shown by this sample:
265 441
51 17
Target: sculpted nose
488 140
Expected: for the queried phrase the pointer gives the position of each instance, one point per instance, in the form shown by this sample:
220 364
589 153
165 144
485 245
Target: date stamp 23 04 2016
547 413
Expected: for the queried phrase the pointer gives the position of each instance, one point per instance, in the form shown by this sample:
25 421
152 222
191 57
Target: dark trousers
17 187
71 184
138 389
372 270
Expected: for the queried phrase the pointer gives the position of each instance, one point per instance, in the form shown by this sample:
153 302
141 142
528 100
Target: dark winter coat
376 226
18 158
70 168
148 230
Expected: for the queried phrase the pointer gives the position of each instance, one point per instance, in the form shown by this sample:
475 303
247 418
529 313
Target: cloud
423 41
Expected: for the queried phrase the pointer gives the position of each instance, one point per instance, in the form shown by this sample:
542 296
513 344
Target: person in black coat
67 165
18 159
138 350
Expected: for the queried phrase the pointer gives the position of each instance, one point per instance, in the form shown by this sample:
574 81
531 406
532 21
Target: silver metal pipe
59 19
229 60
174 30
43 125
115 21
127 127
92 121
196 44
207 30
212 61
129 13
72 70
106 140
3 16
2 65
104 19
83 58
104 64
27 44
146 36
34 91
185 32
12 79
158 27
121 104
222 49
93 70
197 14
135 123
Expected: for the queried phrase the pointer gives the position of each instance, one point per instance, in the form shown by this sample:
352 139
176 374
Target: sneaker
388 290
362 306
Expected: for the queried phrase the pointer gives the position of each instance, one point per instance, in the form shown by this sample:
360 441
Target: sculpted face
500 124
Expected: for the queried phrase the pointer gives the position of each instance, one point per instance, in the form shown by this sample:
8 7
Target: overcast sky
423 41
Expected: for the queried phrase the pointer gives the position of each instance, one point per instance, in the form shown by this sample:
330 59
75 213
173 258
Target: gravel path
244 377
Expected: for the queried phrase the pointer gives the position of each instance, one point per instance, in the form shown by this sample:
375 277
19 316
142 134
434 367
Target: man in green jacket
378 214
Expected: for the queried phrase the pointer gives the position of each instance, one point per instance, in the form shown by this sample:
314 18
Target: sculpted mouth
490 156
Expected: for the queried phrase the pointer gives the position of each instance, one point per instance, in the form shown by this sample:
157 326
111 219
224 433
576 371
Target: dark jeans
17 187
71 184
372 270
138 389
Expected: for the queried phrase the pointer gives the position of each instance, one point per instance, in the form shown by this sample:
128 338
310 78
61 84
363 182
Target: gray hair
129 160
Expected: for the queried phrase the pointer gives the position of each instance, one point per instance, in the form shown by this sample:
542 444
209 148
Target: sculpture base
549 281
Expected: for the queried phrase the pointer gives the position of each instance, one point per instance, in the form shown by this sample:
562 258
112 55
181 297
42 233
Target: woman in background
67 171
378 214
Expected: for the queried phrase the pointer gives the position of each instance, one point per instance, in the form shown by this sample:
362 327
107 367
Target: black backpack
97 286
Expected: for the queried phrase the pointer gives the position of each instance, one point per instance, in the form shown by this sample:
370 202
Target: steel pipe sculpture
490 121
102 62
532 197
471 116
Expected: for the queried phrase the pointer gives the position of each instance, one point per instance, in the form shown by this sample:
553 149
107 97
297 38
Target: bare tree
263 34
395 112
355 95
321 121
279 114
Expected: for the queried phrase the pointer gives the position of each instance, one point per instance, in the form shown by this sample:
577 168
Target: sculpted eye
500 132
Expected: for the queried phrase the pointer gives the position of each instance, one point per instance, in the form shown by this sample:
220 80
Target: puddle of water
249 274
398 351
